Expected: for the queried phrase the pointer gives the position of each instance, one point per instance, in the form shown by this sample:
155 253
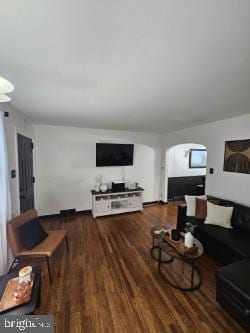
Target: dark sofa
231 247
227 245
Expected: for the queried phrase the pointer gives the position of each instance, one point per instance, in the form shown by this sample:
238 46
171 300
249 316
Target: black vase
175 235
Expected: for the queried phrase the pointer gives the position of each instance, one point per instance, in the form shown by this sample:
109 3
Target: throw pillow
31 234
219 215
190 200
201 207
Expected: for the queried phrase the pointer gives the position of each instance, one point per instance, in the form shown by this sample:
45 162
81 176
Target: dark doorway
26 177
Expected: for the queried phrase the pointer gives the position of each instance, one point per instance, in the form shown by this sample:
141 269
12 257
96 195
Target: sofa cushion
201 207
191 203
233 291
237 276
218 215
241 218
231 239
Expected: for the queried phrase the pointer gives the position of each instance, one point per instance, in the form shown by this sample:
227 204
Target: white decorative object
116 203
189 239
25 274
97 187
6 86
103 187
191 203
132 186
98 179
219 215
4 98
158 232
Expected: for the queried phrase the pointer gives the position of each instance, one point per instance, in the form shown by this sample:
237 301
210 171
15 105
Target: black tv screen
114 154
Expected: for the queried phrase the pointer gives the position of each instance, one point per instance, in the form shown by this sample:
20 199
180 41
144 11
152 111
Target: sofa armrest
181 217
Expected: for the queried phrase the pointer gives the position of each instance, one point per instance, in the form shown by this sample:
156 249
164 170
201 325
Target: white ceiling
135 65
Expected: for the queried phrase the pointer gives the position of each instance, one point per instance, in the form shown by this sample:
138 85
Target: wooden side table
28 308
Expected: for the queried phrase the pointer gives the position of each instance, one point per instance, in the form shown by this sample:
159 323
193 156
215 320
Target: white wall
14 124
178 161
66 168
228 185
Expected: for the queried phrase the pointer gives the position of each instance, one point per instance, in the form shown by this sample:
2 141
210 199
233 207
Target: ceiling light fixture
6 86
4 98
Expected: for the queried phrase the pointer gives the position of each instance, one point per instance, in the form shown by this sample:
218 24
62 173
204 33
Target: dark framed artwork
237 156
197 158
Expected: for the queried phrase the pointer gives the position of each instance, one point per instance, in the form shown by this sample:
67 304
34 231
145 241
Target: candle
25 274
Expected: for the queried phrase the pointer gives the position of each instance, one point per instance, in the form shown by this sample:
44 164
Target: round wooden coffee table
188 259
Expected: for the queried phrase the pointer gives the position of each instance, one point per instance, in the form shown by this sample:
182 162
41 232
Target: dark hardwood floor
109 283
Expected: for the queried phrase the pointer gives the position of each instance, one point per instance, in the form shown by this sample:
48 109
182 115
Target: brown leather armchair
43 251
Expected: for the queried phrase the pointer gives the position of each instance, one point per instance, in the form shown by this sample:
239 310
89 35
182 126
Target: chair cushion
32 233
14 240
48 245
231 239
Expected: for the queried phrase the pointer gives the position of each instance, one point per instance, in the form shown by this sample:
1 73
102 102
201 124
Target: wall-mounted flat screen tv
114 154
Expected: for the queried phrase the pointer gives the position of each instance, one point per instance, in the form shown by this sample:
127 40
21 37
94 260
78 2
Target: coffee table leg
192 275
156 256
194 269
159 258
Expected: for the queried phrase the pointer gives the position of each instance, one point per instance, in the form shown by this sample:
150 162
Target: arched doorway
185 170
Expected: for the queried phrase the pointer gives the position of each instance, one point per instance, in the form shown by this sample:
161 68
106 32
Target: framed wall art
237 156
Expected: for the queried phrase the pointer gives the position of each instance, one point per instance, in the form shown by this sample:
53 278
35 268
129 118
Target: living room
139 76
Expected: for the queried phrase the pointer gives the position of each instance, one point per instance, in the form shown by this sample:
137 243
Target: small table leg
194 269
192 275
159 258
155 257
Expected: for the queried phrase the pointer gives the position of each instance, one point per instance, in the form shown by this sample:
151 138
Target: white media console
107 203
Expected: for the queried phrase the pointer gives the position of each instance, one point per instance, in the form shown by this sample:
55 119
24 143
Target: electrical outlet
13 173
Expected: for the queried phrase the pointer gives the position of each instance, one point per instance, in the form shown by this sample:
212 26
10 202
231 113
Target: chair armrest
181 217
30 255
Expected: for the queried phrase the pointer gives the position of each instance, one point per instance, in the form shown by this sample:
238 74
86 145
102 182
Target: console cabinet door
102 206
135 202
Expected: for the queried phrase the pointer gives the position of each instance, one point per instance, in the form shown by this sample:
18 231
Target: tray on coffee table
179 246
9 301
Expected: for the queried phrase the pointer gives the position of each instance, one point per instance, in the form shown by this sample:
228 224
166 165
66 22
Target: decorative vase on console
103 187
98 180
97 187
